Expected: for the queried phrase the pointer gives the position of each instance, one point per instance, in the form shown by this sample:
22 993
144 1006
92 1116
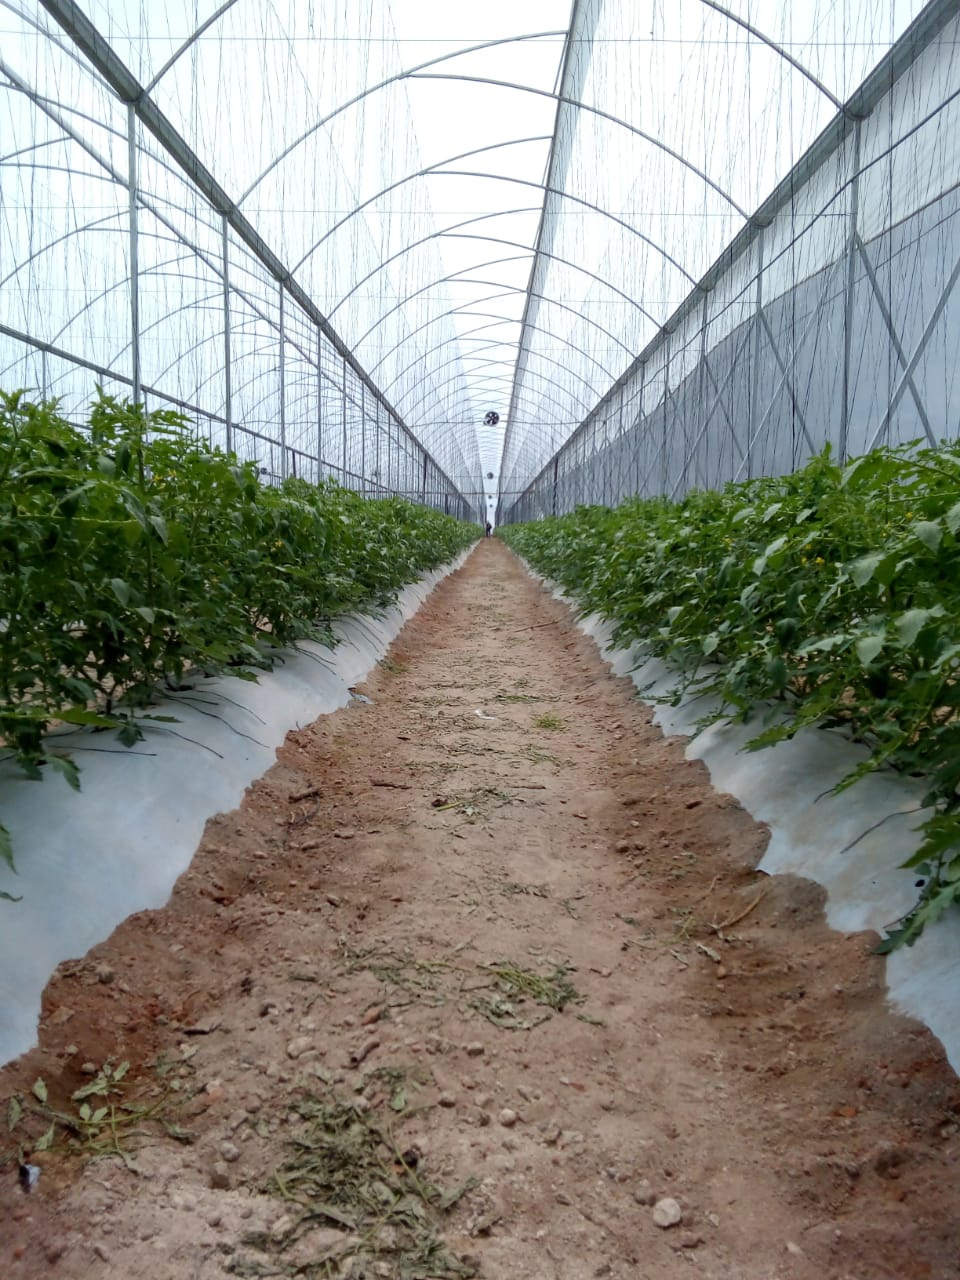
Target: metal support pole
134 253
343 455
363 435
227 353
852 238
666 406
754 409
702 388
638 430
319 407
43 375
283 397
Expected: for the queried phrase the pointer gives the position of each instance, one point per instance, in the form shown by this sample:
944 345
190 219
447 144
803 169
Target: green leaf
822 644
160 527
770 512
66 767
148 615
6 848
909 624
45 1142
862 570
84 1111
121 590
952 518
710 643
869 646
929 532
39 1090
14 1113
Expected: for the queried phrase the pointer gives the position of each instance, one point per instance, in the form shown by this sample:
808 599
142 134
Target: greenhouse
479 639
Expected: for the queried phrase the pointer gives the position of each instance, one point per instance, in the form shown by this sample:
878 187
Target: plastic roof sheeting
495 207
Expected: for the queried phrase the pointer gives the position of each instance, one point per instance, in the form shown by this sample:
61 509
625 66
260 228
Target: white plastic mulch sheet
851 843
85 861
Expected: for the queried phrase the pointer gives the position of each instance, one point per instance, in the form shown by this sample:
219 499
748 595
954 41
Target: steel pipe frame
411 410
505 293
899 58
118 77
434 171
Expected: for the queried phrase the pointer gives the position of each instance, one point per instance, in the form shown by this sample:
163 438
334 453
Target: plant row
833 592
131 553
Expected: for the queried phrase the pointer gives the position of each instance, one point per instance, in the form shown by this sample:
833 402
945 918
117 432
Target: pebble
333 900
447 1100
281 1227
105 973
220 1176
102 1252
643 1193
89 1069
794 1249
214 1219
507 1118
299 1046
54 1252
667 1213
229 1152
475 1050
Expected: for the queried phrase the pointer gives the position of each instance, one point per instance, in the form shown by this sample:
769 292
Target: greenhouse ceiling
491 209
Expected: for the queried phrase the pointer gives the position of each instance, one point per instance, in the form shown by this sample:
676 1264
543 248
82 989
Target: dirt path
484 970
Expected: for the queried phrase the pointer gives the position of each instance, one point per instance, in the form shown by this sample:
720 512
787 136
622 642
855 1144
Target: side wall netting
124 264
834 318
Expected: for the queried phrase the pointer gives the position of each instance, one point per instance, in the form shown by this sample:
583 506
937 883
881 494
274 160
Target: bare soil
478 975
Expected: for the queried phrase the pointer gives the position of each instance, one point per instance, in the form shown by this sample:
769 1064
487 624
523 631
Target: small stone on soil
667 1213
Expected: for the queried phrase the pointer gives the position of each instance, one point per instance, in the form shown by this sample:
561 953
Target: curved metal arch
175 56
506 290
100 297
25 151
420 73
772 44
563 100
69 50
464 336
434 235
67 235
543 377
384 84
436 172
453 278
463 309
425 172
486 342
491 379
451 234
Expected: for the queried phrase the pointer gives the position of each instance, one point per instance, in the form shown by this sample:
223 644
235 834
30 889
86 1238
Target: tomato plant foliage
833 592
131 553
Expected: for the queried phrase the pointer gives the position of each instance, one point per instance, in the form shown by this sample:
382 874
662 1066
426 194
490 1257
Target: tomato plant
131 553
834 591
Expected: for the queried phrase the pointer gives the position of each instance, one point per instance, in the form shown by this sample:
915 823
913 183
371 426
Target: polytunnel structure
380 897
585 250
